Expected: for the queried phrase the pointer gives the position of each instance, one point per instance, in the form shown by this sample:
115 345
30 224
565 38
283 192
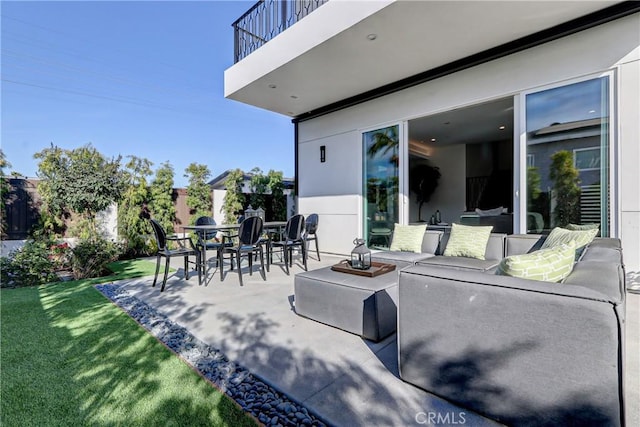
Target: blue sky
132 78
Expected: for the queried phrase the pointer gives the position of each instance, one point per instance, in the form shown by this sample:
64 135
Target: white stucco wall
333 189
108 221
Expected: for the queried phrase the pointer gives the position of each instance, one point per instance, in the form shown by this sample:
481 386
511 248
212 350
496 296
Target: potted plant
423 182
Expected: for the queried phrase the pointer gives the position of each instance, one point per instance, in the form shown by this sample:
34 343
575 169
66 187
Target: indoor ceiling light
503 127
433 140
372 37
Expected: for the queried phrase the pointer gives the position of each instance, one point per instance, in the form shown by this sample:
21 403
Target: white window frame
531 160
520 151
403 173
575 158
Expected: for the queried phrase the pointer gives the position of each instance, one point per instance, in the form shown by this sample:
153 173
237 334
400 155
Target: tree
4 191
424 181
233 199
384 141
533 186
199 195
161 204
279 201
81 180
53 211
130 226
566 188
259 185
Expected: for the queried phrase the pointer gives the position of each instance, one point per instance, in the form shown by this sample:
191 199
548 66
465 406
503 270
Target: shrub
90 257
60 256
28 266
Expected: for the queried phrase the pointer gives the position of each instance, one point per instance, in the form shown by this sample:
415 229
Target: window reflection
381 161
568 136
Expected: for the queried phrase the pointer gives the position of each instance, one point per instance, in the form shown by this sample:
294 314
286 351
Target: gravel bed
263 401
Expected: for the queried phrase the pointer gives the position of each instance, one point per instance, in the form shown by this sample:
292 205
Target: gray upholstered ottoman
365 306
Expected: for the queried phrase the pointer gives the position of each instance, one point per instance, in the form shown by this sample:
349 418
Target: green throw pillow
549 265
559 236
468 241
408 238
574 227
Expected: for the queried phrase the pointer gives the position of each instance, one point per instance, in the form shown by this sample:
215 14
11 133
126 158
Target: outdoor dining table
201 230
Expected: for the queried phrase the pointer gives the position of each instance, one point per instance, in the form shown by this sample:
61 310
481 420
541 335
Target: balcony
265 20
347 49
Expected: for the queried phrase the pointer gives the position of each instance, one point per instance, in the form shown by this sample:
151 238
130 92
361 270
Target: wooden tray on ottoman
377 268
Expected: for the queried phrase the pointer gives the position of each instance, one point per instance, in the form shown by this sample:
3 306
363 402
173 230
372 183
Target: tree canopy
162 205
81 180
136 194
199 195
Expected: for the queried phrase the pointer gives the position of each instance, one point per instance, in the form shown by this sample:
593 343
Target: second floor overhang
347 50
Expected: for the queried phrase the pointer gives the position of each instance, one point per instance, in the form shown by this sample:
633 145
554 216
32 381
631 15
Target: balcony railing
265 20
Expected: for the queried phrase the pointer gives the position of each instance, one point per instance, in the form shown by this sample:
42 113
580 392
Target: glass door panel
567 156
381 154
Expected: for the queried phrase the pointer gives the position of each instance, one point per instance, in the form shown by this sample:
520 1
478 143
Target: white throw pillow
490 212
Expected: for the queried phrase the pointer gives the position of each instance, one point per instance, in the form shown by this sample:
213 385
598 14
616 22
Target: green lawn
70 357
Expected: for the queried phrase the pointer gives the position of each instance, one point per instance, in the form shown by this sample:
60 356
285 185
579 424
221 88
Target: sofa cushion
399 258
603 254
604 277
460 262
548 265
559 236
606 242
431 241
408 238
468 241
518 244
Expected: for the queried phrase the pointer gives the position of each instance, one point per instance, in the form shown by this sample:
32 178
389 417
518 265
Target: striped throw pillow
583 226
560 236
548 265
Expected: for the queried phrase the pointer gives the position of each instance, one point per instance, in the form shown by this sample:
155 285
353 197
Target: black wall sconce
323 153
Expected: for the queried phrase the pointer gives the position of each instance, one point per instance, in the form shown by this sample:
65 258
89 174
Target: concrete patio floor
347 380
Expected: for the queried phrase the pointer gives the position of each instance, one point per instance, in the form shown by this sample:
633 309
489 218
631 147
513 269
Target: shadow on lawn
120 373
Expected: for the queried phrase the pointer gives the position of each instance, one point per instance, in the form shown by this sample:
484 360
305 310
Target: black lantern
360 255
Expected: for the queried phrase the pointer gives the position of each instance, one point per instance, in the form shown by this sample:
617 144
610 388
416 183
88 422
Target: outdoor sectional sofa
522 352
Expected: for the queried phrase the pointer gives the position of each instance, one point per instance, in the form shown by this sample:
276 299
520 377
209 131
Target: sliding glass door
381 172
567 156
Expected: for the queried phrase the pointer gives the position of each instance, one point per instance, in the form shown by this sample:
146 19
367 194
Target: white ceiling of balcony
327 56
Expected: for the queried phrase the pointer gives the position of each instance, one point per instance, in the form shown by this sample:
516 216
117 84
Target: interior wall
449 197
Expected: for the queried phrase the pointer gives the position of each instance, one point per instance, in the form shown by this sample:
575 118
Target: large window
568 135
381 156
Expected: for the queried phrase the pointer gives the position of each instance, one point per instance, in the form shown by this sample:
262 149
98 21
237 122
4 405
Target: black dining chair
310 228
292 238
207 240
248 243
183 250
